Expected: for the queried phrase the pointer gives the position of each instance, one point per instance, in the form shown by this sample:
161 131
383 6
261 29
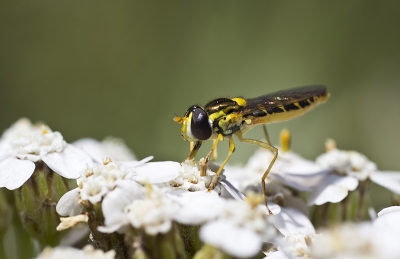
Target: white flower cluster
240 228
96 181
161 201
125 197
377 239
24 144
153 213
345 170
38 141
190 178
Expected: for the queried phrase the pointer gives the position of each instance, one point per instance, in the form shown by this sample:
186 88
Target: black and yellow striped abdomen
283 105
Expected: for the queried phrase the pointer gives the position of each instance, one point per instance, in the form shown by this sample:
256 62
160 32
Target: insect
222 118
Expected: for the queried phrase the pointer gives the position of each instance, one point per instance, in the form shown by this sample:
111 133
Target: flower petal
291 221
114 203
334 188
389 180
134 163
68 205
197 207
68 163
15 172
235 193
157 172
236 241
299 178
92 147
388 219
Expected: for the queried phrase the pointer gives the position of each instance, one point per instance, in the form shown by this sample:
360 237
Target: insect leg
231 150
214 147
203 168
215 155
266 134
193 150
266 146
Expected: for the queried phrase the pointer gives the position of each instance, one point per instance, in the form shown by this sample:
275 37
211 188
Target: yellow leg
214 147
215 155
231 150
193 149
266 146
266 134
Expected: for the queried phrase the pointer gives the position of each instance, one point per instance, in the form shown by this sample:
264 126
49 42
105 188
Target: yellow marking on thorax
239 101
216 115
224 112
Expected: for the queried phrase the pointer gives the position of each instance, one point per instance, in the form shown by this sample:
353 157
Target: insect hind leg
266 146
266 135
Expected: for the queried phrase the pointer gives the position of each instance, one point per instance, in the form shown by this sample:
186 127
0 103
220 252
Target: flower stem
191 239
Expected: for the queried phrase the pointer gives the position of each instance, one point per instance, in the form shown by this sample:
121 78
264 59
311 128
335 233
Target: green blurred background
123 68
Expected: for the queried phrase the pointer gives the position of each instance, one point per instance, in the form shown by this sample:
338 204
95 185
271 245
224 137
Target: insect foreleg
193 149
231 150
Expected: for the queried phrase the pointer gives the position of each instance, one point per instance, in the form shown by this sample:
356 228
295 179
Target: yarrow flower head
25 144
191 178
34 161
240 228
154 213
348 170
352 240
295 245
96 181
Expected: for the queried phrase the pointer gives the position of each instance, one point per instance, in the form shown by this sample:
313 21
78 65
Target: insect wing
285 100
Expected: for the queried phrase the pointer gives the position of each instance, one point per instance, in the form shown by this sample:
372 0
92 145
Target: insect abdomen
287 111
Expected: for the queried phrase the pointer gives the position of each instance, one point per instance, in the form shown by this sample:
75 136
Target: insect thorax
223 113
228 124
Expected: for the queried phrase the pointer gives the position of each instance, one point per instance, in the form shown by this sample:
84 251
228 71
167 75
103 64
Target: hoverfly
223 117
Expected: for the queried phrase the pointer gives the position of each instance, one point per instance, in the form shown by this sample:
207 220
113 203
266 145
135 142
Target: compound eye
200 125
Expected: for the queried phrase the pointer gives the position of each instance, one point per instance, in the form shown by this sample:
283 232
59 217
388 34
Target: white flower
333 188
190 179
88 252
115 203
23 145
349 163
289 168
352 240
130 203
297 245
346 170
197 207
291 221
240 228
68 205
290 212
111 147
154 213
17 129
388 219
95 182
